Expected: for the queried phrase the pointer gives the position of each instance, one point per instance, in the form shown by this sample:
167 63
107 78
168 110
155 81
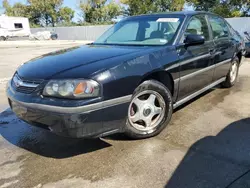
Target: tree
47 9
225 8
136 7
41 12
6 5
242 6
99 11
18 9
65 14
202 5
226 11
177 5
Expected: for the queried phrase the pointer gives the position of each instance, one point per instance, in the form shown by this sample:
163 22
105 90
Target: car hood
54 63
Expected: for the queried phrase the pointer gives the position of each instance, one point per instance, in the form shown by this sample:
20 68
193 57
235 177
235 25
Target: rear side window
219 27
198 25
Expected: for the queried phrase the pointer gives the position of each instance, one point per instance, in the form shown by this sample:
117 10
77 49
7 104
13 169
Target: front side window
198 25
142 31
219 27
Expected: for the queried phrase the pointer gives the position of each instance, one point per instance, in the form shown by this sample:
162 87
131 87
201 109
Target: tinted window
142 31
219 27
198 25
122 34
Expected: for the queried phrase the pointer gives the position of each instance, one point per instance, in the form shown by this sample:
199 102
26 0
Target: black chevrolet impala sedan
130 79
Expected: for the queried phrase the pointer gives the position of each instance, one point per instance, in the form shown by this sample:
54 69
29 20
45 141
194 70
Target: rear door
224 45
196 62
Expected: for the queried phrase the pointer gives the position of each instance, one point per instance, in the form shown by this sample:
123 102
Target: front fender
122 79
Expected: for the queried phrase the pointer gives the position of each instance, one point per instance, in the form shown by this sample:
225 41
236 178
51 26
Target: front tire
232 74
150 110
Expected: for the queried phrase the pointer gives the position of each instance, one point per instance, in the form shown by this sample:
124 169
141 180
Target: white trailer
13 27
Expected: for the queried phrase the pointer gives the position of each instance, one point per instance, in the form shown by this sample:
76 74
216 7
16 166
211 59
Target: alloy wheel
146 110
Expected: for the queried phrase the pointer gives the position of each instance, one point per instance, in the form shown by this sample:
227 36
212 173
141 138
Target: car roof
178 13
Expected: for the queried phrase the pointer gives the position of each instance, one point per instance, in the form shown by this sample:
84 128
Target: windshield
142 31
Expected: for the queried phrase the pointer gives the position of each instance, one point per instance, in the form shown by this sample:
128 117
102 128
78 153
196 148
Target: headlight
72 89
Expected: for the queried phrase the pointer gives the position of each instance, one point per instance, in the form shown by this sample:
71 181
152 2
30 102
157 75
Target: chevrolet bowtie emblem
18 82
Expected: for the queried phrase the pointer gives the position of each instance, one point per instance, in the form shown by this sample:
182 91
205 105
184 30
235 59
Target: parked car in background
130 79
13 27
53 36
43 35
247 42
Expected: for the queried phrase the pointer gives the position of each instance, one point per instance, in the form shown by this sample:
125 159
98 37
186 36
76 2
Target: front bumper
90 120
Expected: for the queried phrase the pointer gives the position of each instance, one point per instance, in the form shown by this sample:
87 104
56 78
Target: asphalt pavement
206 144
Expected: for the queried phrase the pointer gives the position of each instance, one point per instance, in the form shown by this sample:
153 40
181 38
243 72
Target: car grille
23 85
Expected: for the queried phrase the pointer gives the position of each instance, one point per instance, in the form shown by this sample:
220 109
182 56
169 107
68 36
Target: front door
196 62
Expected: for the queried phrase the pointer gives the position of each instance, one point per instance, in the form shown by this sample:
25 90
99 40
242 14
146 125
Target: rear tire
150 110
232 74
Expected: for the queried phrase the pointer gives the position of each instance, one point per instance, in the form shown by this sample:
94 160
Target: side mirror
194 39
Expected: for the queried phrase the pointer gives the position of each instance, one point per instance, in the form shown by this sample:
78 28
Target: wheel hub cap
146 110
